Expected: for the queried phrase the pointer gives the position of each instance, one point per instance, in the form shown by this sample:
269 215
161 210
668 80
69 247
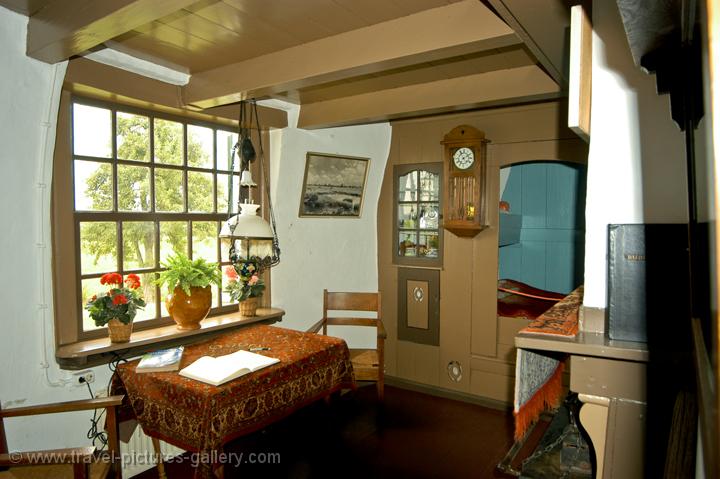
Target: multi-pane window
417 232
146 186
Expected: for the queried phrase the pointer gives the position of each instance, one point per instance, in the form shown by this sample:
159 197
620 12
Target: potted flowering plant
118 306
245 286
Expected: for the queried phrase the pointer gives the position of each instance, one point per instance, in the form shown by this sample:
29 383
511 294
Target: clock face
463 158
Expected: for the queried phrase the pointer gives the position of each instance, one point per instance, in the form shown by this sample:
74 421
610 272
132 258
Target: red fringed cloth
538 377
202 418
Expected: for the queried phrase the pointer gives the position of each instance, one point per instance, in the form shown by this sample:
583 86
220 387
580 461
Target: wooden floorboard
412 435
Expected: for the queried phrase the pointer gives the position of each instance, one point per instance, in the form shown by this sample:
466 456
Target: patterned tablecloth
202 418
538 375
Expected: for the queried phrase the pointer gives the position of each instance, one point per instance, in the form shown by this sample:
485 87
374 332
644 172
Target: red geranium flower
111 278
120 299
132 281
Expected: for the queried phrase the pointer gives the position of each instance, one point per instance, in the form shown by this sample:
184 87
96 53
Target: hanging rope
266 183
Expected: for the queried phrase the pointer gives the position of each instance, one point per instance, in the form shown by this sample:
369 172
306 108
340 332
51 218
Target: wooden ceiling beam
96 80
65 28
435 34
496 88
542 25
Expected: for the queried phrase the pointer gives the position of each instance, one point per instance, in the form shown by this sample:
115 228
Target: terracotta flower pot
248 308
118 331
188 311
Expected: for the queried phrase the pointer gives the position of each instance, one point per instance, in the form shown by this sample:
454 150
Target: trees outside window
146 187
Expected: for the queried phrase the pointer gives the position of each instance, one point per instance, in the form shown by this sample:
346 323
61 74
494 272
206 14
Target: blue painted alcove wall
550 196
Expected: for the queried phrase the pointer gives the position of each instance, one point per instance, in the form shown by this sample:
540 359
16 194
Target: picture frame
333 186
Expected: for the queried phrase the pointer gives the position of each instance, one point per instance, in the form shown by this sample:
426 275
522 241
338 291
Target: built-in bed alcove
541 237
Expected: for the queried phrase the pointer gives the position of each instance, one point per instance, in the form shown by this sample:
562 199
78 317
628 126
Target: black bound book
647 278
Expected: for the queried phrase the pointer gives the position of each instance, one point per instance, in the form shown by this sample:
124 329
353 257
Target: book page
224 368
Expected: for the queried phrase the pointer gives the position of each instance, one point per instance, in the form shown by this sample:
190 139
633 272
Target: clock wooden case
465 168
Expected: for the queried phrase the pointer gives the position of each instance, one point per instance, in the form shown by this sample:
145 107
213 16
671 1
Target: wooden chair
77 462
368 364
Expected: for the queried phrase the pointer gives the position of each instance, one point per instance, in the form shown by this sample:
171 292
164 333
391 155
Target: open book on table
222 369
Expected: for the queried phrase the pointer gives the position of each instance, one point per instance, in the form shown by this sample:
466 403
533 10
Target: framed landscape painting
333 185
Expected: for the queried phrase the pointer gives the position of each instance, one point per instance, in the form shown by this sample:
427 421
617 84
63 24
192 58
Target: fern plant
185 273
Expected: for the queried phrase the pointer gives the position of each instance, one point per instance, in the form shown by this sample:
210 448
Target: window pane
224 248
429 186
93 186
406 246
133 137
407 216
225 143
223 184
138 244
200 192
169 190
428 244
98 247
428 218
90 287
149 294
204 240
200 146
92 131
173 238
225 280
168 142
133 188
407 187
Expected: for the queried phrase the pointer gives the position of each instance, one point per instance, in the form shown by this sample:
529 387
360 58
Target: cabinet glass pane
407 216
428 217
407 187
429 186
406 244
428 244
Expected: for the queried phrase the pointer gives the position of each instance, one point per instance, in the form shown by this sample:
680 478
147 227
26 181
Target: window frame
66 221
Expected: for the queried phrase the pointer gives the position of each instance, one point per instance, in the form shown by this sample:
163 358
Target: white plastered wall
29 95
636 166
339 254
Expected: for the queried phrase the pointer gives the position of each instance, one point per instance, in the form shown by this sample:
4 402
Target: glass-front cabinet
417 230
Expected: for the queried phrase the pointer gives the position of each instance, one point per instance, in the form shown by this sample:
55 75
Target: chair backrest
346 301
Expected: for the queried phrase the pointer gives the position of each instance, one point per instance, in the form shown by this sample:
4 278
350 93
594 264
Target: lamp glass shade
246 179
247 224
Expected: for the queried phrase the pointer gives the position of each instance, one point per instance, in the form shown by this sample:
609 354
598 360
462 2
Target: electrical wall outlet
83 377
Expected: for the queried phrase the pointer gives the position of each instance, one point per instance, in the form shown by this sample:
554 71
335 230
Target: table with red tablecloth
202 418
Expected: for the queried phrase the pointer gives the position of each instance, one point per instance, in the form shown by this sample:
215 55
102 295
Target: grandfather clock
464 200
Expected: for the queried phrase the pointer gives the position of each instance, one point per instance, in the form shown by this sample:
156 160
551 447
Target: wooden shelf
97 351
